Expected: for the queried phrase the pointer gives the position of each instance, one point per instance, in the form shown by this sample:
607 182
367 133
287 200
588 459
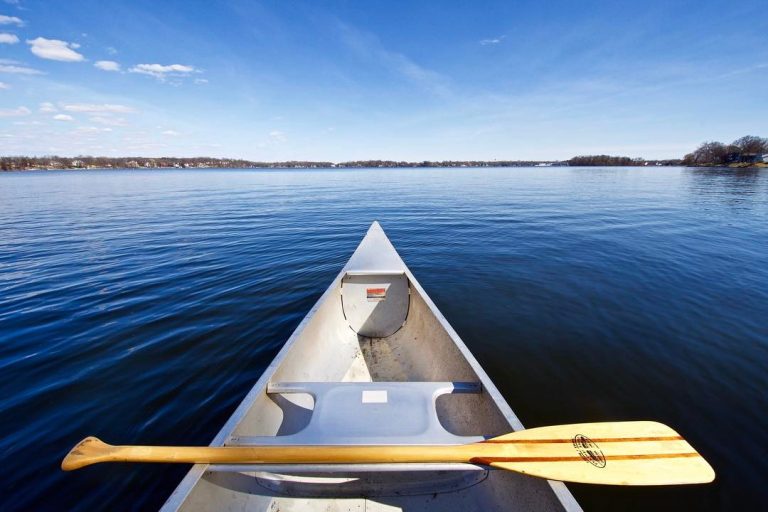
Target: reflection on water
140 306
738 187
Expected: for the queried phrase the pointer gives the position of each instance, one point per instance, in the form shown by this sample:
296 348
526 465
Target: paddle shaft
288 454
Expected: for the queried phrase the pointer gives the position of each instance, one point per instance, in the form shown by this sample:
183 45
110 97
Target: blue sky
358 79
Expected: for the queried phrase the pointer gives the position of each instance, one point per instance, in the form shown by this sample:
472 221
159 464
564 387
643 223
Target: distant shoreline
277 167
26 163
21 163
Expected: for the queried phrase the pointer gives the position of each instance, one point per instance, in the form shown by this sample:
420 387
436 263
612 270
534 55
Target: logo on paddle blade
589 451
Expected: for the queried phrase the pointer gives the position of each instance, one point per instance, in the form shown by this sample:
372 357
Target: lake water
140 306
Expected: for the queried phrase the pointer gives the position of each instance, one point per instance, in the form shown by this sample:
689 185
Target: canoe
373 362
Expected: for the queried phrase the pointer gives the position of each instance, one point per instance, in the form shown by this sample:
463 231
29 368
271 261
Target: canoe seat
361 413
375 303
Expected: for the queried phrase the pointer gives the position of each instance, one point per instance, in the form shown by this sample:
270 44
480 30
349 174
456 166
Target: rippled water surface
140 306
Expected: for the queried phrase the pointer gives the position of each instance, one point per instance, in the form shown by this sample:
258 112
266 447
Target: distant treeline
613 161
746 150
22 163
14 163
445 163
600 160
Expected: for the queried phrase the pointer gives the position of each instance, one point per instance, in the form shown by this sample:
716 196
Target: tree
750 144
708 153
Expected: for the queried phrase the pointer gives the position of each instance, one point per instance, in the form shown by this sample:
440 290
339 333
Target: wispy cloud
108 120
8 66
6 38
55 49
171 133
370 49
492 40
15 112
107 65
277 136
63 117
4 85
47 107
92 129
161 71
98 108
743 71
11 20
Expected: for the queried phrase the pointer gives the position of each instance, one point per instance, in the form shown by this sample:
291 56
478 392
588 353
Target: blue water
140 306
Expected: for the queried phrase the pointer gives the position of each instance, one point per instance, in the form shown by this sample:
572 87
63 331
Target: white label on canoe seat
378 396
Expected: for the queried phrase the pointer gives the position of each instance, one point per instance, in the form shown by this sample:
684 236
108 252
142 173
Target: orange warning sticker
376 294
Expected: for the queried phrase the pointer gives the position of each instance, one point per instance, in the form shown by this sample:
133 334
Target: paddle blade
88 451
616 453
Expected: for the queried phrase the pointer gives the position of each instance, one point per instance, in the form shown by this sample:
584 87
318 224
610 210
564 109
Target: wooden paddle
618 453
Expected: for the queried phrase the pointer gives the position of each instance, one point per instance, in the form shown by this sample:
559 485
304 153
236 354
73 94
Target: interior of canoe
336 344
327 349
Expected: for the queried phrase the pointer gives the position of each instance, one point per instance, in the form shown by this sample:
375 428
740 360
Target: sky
399 80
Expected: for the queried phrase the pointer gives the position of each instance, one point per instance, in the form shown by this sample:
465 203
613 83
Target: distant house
745 158
765 158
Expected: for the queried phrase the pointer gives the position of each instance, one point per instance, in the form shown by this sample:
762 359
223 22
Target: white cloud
161 71
55 49
102 108
493 40
107 65
277 136
15 112
92 129
201 80
6 38
11 20
63 117
108 121
4 85
18 70
172 133
111 50
47 106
